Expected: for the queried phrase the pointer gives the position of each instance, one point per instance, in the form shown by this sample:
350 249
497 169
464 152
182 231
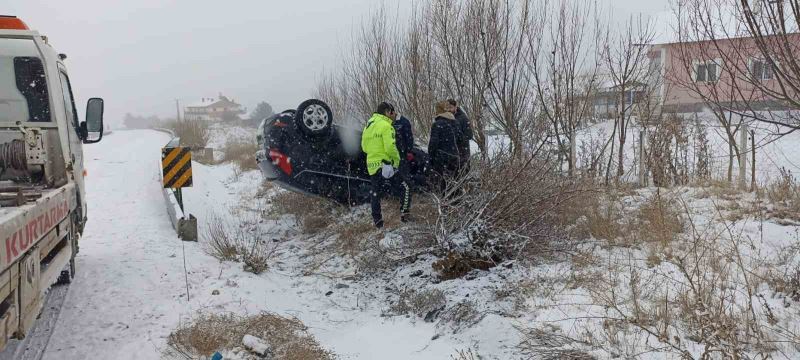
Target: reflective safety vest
378 142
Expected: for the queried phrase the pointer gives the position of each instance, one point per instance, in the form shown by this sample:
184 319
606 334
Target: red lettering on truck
24 237
11 248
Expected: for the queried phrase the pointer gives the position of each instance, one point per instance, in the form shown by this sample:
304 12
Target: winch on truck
42 192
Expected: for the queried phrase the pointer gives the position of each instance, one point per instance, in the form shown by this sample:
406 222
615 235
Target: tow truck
42 191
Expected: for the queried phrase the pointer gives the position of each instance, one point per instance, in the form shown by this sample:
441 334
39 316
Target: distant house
609 97
729 69
210 109
725 69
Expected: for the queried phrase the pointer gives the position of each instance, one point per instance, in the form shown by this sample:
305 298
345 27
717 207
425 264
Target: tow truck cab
42 190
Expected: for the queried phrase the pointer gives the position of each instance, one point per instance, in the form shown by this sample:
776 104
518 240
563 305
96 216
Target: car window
23 86
69 103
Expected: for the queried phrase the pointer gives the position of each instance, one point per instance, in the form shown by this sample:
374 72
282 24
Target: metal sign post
176 167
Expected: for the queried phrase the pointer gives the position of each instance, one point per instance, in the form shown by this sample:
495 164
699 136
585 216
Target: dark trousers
444 172
396 186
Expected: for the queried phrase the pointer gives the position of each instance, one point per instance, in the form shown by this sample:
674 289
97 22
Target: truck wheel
314 118
64 278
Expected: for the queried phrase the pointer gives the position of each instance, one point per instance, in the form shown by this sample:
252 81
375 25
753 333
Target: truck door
75 144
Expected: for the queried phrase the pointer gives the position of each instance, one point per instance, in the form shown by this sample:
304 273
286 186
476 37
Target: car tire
314 118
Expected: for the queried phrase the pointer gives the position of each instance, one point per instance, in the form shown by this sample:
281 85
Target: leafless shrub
550 344
231 237
193 133
507 210
461 316
220 242
784 196
467 354
785 191
242 153
703 158
423 303
666 139
592 155
257 256
209 333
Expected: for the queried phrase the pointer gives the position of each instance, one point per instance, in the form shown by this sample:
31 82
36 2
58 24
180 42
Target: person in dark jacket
465 128
443 145
404 136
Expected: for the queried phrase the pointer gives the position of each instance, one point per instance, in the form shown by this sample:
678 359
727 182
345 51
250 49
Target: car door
75 144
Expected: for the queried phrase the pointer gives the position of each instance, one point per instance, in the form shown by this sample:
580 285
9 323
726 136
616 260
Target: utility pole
743 156
642 159
178 110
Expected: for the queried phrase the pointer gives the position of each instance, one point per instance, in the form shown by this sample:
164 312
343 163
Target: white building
210 109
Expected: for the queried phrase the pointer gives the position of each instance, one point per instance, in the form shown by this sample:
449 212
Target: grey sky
142 55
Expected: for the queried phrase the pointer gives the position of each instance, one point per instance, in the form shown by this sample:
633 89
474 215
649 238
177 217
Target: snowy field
774 150
130 291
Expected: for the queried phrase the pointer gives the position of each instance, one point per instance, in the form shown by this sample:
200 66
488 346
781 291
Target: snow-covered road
130 270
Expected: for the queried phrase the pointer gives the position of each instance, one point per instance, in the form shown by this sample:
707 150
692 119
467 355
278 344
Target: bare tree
368 70
465 37
414 84
625 58
564 65
707 67
773 26
510 100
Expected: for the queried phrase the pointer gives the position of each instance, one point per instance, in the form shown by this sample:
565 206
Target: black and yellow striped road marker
176 164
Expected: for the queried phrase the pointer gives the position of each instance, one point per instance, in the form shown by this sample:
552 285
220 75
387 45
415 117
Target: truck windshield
23 87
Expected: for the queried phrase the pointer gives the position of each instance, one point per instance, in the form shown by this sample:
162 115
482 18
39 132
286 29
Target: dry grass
242 153
193 133
221 244
348 233
784 194
461 316
312 213
457 264
602 219
551 344
209 333
351 237
701 302
596 214
659 220
239 238
422 303
467 354
603 216
717 189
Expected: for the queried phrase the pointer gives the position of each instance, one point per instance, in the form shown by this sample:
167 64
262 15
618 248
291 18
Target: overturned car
302 150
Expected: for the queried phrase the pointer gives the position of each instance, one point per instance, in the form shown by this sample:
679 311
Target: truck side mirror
92 128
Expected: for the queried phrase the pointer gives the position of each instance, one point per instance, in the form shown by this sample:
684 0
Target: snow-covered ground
130 290
775 149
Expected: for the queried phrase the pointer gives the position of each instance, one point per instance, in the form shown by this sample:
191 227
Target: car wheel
314 118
